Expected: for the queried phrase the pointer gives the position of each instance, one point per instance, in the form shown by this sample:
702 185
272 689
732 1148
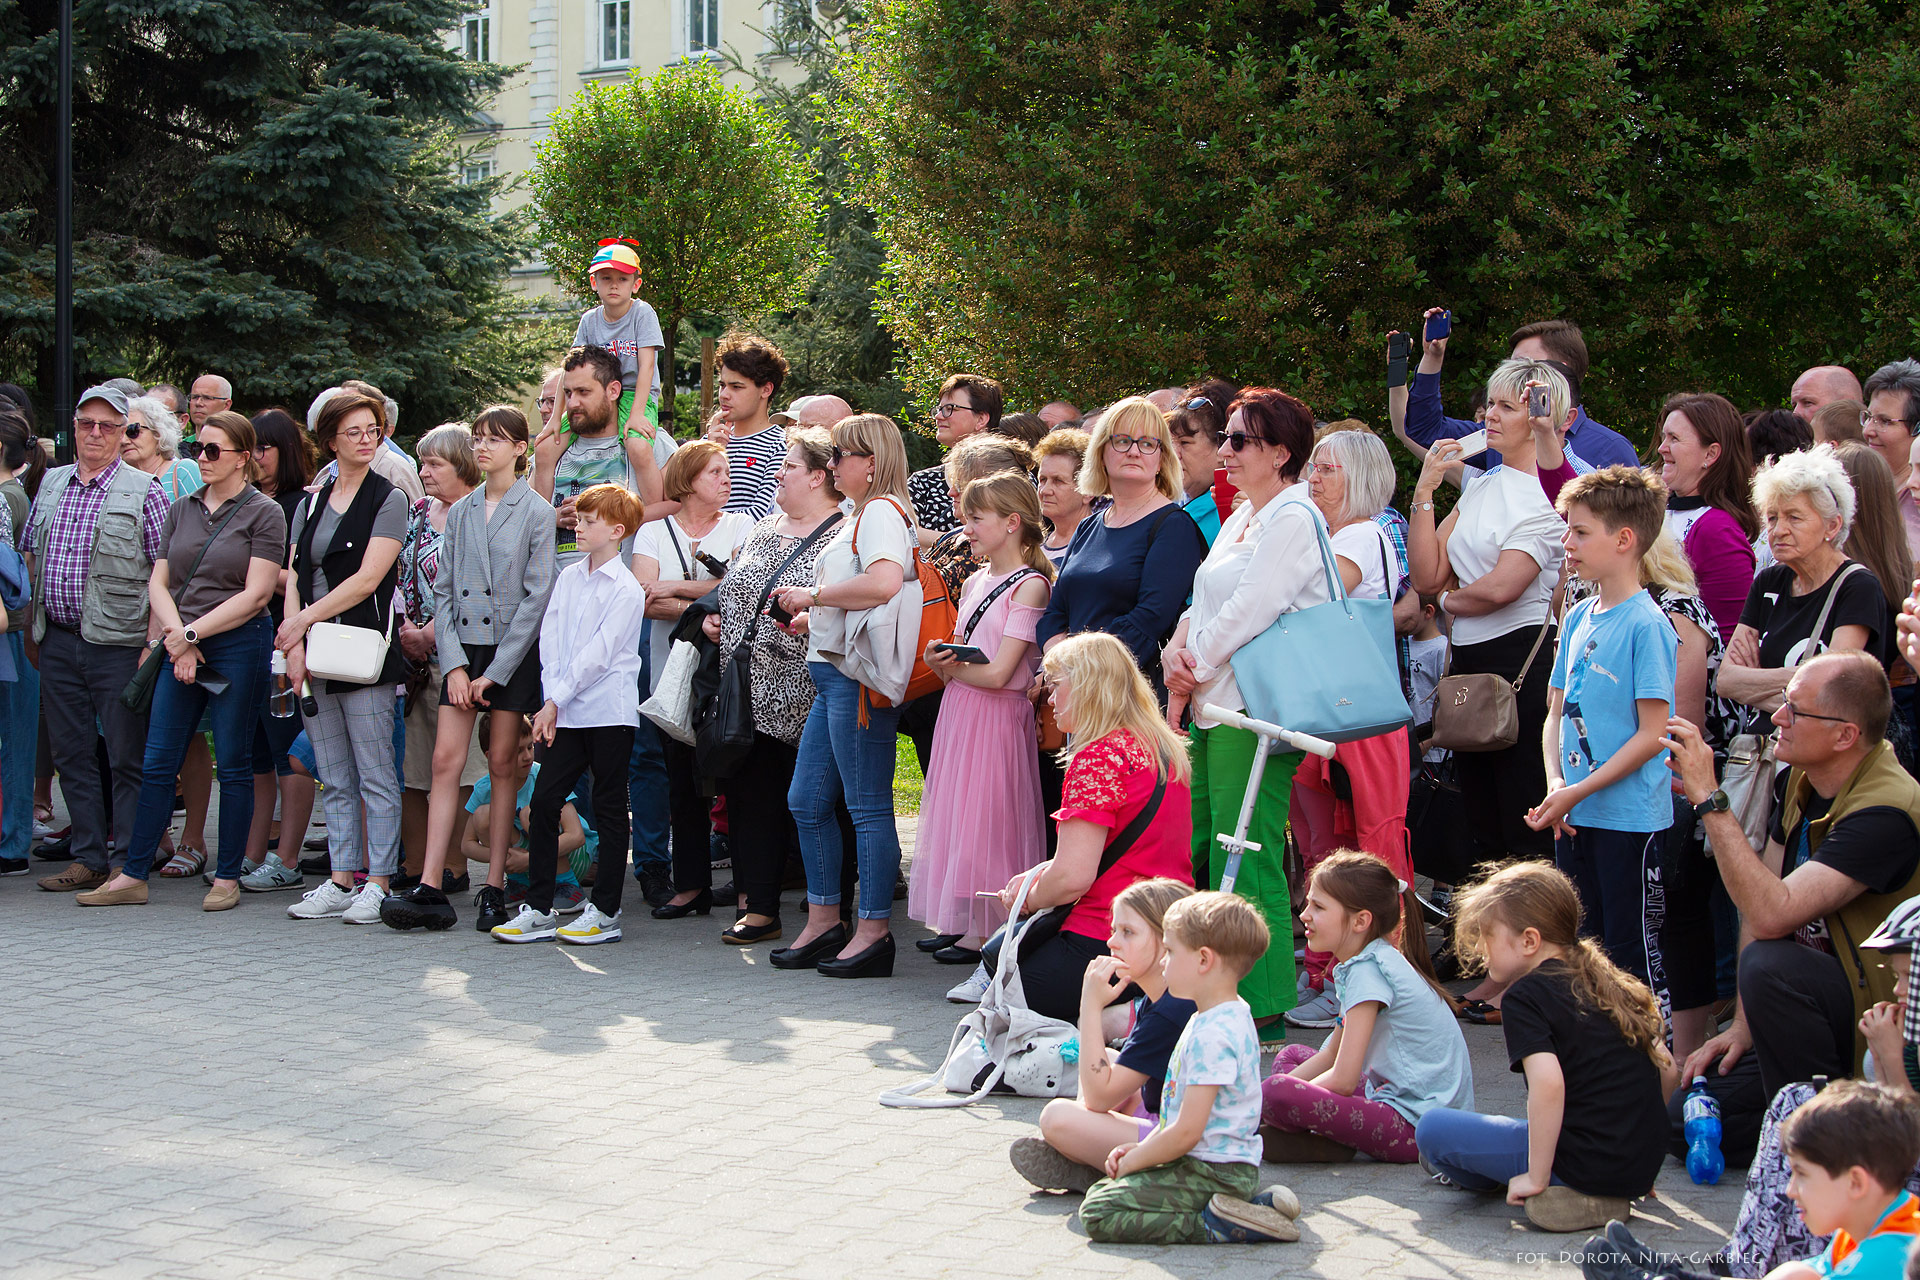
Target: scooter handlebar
1240 720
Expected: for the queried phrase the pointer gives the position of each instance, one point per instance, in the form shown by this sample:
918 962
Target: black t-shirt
1785 621
1613 1137
1879 847
1150 1044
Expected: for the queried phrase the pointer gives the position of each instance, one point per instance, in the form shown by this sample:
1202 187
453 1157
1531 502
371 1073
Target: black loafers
701 904
743 934
938 942
957 955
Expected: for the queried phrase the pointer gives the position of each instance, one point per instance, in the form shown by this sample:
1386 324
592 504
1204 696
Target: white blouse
1505 510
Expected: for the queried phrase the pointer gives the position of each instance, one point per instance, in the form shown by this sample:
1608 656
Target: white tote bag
1002 1040
671 706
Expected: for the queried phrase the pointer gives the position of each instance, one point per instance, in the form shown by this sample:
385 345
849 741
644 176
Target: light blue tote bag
1331 670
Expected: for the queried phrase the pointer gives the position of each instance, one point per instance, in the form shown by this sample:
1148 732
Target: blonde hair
1062 442
686 465
1110 694
1224 922
1138 417
1534 895
878 436
984 454
1150 899
1511 376
1665 565
1010 493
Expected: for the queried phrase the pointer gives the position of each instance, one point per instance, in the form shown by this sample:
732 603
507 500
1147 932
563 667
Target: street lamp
63 246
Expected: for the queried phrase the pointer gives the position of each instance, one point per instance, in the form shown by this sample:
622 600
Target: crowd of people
1681 844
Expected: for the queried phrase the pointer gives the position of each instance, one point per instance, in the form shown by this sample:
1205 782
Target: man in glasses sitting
1842 852
92 537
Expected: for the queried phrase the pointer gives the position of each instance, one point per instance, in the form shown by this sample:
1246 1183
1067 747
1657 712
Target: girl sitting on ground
1119 1098
1397 1053
1589 1039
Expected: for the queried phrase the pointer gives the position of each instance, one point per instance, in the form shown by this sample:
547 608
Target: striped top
753 465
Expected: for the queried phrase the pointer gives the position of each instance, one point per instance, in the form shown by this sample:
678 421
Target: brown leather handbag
1481 712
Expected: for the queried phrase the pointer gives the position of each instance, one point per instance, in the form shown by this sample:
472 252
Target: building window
789 23
703 26
616 32
477 169
476 37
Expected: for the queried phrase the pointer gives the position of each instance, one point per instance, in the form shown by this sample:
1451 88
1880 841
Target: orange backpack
938 613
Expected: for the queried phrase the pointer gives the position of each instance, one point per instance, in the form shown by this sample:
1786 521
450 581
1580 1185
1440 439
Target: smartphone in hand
778 614
1473 444
1539 404
1399 348
1439 325
964 652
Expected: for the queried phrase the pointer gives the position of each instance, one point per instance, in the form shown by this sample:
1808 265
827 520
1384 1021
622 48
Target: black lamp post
63 246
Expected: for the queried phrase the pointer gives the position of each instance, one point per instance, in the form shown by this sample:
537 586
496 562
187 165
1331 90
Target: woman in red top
1119 750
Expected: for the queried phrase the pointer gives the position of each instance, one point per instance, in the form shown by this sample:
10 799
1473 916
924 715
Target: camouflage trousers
1162 1205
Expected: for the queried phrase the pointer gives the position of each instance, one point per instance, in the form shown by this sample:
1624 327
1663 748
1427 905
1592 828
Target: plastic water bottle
282 700
1705 1164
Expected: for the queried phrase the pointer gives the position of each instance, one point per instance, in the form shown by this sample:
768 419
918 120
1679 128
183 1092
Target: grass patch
907 781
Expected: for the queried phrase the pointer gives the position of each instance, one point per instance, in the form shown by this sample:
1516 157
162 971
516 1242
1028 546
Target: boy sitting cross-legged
1192 1180
590 672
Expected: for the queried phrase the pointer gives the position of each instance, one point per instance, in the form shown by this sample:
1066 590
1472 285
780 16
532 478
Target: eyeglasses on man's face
1793 713
101 426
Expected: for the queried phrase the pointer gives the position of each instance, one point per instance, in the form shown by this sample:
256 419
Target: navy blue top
1593 444
1132 582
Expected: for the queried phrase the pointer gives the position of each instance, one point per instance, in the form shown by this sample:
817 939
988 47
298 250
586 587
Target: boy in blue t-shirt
1608 787
1192 1180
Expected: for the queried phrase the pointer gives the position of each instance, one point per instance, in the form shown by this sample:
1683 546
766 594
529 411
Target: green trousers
1222 763
1162 1205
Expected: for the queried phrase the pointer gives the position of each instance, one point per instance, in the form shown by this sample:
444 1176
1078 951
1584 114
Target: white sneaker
528 926
366 904
1320 1012
328 902
591 927
974 988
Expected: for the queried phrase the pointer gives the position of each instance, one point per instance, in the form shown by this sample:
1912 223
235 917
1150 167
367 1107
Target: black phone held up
964 652
1399 348
1439 325
778 614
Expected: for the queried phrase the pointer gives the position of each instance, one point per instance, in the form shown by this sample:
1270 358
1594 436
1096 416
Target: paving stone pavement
239 1094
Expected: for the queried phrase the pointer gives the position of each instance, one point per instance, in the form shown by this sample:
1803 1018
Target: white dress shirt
590 645
1263 564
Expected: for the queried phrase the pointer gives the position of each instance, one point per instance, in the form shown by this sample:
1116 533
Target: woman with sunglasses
1265 562
221 552
153 445
1130 567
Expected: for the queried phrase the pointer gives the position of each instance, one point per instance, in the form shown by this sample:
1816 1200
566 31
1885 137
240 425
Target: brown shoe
221 898
1563 1210
134 895
76 876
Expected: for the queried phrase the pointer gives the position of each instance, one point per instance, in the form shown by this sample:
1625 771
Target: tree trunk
671 332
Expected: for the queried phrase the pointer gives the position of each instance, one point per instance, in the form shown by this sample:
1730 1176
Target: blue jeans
647 782
19 738
241 656
839 758
1479 1153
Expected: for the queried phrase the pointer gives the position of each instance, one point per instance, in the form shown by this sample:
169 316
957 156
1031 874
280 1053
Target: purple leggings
1299 1106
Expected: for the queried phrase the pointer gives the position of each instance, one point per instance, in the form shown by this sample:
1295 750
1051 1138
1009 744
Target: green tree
701 176
1095 196
263 188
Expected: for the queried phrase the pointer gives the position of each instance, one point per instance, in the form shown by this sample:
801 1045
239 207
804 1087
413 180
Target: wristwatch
1423 506
813 593
192 636
1718 802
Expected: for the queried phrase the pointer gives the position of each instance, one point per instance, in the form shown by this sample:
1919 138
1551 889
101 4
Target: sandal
189 861
1480 1013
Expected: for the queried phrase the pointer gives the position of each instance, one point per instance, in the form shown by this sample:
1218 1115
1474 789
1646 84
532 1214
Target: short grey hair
126 387
1369 469
166 427
1902 376
226 388
1815 474
452 442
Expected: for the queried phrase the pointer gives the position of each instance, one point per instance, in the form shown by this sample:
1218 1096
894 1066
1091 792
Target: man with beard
581 445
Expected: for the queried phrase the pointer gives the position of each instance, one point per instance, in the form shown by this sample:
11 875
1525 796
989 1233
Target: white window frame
476 169
476 36
621 52
709 9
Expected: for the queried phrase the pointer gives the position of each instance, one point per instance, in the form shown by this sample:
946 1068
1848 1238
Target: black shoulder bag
723 722
1042 926
137 697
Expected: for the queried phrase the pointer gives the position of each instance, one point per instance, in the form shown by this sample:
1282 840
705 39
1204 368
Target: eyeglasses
1324 468
1795 713
93 426
198 449
1881 422
1145 446
1239 440
839 455
950 408
546 402
360 435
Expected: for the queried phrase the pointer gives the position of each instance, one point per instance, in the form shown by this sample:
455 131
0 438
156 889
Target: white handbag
671 706
1002 1041
352 655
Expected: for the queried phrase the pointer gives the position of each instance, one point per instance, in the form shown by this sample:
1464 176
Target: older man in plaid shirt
92 537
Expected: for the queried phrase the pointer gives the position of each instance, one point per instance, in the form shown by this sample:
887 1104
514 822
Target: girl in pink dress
981 817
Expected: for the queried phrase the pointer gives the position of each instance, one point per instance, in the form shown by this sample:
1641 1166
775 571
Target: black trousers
1800 1010
1053 777
1052 976
1684 931
605 749
690 814
1498 787
760 826
917 719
